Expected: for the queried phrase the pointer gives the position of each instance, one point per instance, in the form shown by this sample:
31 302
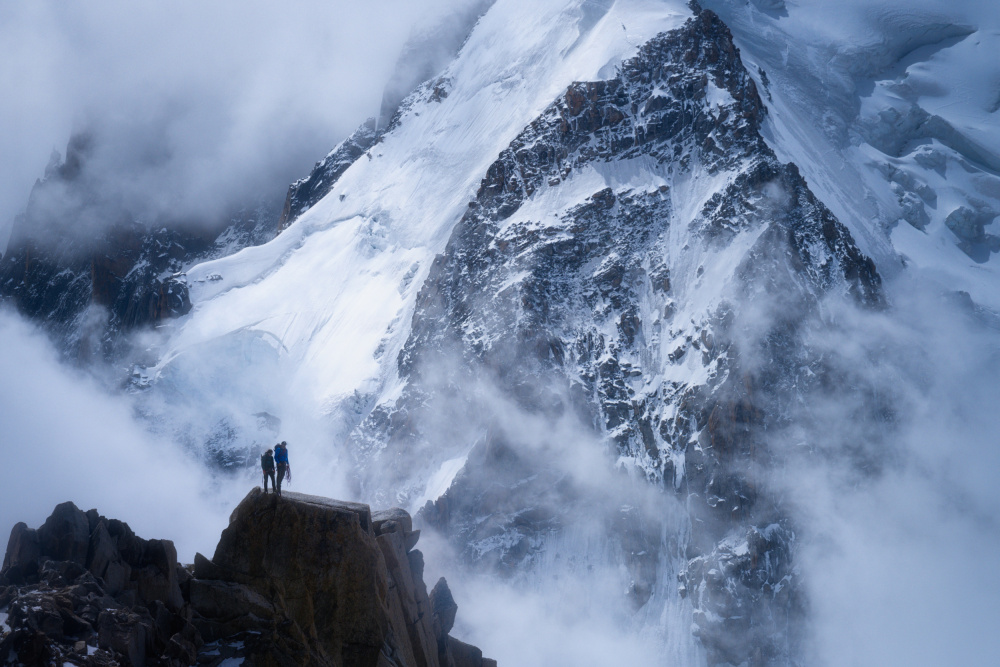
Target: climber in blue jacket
281 458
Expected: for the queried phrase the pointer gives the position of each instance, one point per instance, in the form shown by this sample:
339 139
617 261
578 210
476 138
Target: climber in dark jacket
281 458
267 466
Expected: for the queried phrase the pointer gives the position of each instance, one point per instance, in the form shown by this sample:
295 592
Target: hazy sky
197 105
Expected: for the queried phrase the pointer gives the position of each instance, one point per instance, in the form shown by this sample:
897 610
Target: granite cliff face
299 580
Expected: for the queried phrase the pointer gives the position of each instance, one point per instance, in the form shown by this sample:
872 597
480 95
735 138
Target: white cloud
899 514
198 106
63 438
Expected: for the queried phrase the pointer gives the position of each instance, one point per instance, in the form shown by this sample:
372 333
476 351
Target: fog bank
194 108
64 438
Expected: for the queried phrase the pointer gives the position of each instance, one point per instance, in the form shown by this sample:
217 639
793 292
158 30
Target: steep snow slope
892 111
334 309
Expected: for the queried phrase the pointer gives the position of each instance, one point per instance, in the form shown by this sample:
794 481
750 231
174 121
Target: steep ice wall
892 113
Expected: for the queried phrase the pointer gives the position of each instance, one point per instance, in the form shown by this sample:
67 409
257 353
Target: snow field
339 284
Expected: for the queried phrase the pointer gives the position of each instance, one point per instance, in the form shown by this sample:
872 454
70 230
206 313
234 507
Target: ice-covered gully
300 580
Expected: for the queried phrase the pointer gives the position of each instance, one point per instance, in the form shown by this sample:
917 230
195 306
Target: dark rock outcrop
84 589
304 193
89 269
300 580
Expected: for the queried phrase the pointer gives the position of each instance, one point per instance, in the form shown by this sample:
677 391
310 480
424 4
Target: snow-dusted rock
621 263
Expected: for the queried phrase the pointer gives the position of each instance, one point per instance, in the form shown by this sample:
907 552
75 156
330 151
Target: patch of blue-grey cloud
195 108
65 438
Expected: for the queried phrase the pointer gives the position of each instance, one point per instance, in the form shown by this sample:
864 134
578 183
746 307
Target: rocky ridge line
300 580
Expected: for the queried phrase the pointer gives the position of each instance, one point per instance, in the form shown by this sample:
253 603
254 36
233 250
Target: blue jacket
281 455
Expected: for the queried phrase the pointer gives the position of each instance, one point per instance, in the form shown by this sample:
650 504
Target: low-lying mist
65 438
575 534
886 466
901 514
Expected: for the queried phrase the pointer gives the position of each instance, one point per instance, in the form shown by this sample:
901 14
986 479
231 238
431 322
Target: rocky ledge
300 580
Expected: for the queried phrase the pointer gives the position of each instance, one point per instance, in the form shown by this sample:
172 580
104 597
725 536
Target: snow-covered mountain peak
572 261
674 328
343 276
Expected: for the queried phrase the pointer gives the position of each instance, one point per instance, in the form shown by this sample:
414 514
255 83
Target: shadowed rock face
639 258
299 580
304 193
89 271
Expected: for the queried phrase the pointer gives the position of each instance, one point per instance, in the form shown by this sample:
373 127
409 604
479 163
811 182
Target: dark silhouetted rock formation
84 589
298 581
